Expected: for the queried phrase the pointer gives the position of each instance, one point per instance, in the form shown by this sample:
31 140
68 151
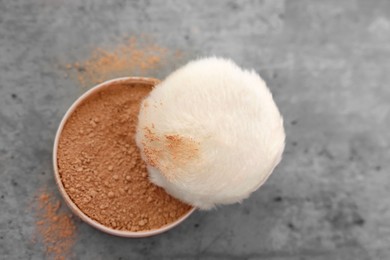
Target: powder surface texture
101 167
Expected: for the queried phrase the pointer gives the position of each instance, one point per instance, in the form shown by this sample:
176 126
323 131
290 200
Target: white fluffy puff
210 133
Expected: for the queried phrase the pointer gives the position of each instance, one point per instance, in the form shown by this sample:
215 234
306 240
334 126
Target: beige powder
101 167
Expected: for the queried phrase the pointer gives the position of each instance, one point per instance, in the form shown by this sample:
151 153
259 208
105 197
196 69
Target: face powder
101 168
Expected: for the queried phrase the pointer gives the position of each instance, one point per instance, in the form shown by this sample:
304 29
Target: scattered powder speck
134 57
55 229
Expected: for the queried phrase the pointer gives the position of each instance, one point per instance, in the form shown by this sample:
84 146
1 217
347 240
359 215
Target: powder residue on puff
180 149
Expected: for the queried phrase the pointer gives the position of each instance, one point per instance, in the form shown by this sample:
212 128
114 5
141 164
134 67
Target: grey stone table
328 65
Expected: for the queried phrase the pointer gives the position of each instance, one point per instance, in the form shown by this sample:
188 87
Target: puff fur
230 119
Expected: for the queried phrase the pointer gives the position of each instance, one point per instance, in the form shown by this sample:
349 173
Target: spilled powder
56 229
134 57
101 167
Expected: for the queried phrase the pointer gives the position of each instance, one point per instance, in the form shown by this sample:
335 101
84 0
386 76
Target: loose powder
55 228
101 167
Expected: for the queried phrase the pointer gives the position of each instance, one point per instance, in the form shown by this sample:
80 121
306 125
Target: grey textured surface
328 65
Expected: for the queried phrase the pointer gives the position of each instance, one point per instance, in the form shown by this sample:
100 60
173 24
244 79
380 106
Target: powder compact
99 169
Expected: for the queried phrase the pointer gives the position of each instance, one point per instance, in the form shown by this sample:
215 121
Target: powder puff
210 133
